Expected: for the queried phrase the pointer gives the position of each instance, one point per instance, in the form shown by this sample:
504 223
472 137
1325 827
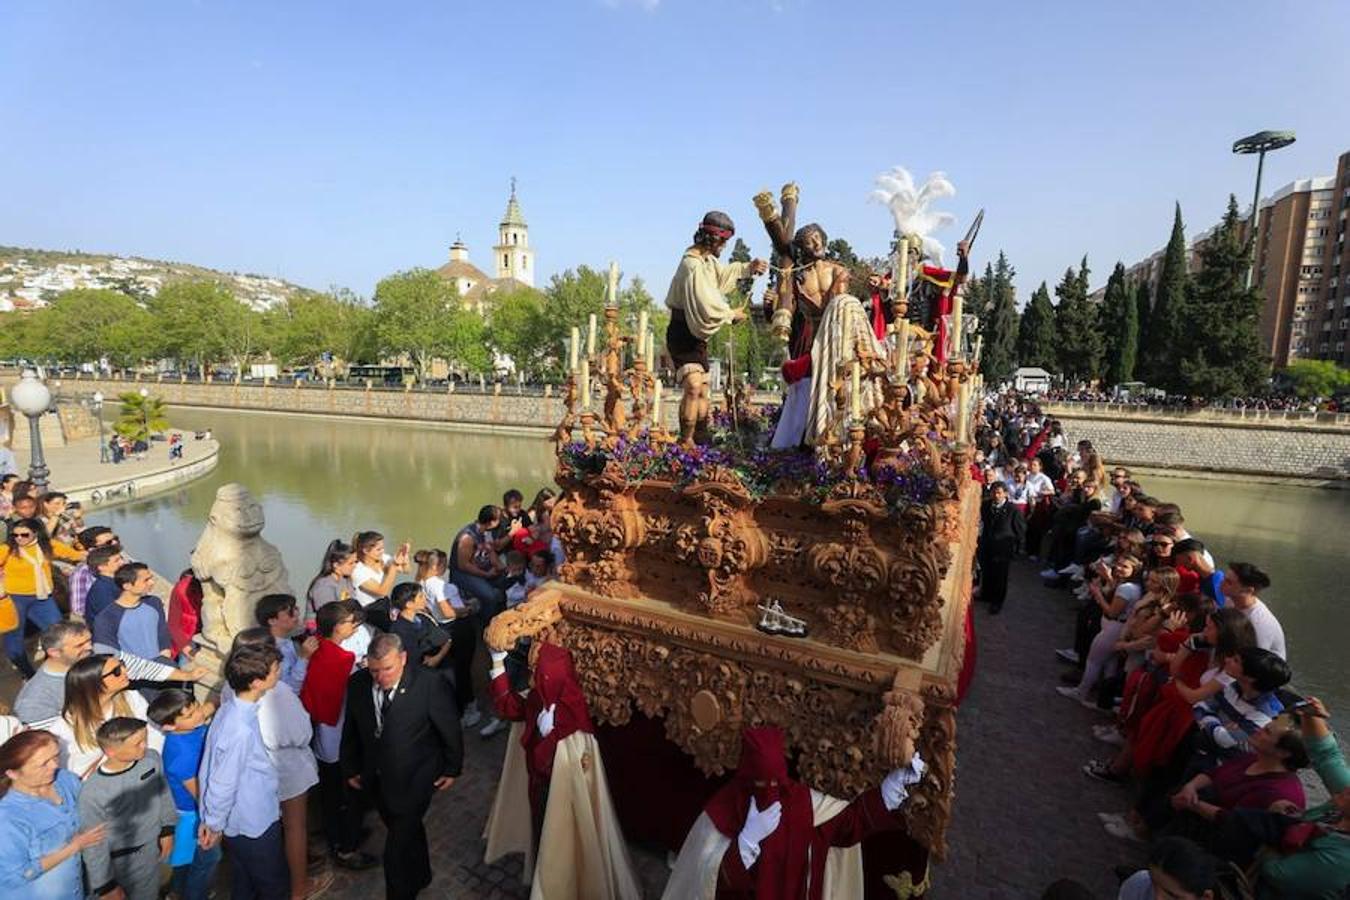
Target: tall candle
651 352
575 350
902 350
656 406
613 296
857 393
902 270
590 336
956 325
641 329
963 412
585 384
979 342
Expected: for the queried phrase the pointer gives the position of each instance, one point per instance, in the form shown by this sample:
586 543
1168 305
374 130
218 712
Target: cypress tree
1143 304
1167 324
1036 332
1078 338
1223 354
1120 318
1001 330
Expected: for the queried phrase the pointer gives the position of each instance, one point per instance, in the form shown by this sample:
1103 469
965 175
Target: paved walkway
1025 815
75 468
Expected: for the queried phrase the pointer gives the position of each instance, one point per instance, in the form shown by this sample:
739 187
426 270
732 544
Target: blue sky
333 143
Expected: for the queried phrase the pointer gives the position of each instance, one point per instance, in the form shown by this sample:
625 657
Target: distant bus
392 375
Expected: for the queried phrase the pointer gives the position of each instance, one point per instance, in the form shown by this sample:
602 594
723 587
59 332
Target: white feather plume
910 206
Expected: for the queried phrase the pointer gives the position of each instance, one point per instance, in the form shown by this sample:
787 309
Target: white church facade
513 260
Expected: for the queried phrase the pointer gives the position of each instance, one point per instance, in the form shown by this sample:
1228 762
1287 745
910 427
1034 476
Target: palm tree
141 416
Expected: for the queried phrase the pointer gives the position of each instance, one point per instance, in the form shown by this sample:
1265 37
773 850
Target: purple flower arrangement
762 471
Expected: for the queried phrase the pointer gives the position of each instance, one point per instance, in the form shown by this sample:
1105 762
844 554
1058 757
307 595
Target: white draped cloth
809 406
581 853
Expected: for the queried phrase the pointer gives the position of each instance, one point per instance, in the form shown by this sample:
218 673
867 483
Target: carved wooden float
657 605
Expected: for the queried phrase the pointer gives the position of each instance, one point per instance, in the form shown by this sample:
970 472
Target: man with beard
767 837
698 310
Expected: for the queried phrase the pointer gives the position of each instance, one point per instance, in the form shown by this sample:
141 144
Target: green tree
1120 322
140 417
1036 332
308 325
1313 378
84 325
519 329
191 319
1143 304
1166 322
1000 325
838 250
1078 336
1221 339
418 315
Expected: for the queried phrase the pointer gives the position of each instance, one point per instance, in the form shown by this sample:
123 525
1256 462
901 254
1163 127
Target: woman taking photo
373 578
40 837
97 689
26 564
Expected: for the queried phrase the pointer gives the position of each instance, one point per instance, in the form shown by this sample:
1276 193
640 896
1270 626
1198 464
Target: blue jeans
29 609
193 881
491 598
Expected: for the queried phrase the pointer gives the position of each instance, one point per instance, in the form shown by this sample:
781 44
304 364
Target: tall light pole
32 397
98 414
1260 143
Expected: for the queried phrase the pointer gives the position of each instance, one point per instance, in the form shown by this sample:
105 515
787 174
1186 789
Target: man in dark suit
401 742
1002 532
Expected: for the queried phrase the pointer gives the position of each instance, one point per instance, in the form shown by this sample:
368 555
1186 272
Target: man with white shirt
1242 582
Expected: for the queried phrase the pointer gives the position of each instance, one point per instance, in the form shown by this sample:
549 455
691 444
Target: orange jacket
20 575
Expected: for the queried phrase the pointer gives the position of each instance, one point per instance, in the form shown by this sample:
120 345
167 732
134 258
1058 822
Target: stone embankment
1302 448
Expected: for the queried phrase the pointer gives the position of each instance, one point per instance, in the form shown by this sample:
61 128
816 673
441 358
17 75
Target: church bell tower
514 258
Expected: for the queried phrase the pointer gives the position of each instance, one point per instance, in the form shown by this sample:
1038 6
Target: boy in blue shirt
184 723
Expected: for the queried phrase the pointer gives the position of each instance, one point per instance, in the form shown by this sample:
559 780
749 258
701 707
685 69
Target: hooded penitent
555 684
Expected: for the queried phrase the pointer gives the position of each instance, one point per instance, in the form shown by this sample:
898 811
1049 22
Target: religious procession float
805 565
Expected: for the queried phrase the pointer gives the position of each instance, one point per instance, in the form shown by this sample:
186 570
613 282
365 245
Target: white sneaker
1121 829
1068 655
1073 570
1071 692
493 726
471 718
1108 734
1049 573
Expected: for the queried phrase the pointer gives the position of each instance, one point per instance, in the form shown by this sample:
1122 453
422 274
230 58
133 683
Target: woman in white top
97 689
287 734
374 575
447 605
1124 592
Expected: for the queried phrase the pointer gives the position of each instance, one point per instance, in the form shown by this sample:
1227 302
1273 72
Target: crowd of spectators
1184 663
1268 402
119 766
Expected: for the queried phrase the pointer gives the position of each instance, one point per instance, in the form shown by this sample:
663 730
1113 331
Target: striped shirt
1229 718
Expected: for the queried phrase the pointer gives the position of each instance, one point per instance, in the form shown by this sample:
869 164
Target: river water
324 478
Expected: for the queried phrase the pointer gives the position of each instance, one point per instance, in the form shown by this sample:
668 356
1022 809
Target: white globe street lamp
32 397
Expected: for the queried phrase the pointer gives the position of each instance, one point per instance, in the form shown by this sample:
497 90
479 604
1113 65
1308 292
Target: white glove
545 720
895 787
759 824
498 663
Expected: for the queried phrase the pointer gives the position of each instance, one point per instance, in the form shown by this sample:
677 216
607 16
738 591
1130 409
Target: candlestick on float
574 351
612 291
963 413
590 336
585 384
902 349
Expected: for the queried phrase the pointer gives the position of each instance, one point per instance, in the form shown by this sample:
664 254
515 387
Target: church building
513 260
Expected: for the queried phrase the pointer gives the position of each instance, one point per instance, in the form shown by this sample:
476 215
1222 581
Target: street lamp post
32 397
1260 143
98 414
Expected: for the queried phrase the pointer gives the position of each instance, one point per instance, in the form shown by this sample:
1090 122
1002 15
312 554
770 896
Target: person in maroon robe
777 832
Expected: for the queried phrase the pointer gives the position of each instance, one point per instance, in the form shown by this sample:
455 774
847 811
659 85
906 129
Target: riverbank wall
1207 444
